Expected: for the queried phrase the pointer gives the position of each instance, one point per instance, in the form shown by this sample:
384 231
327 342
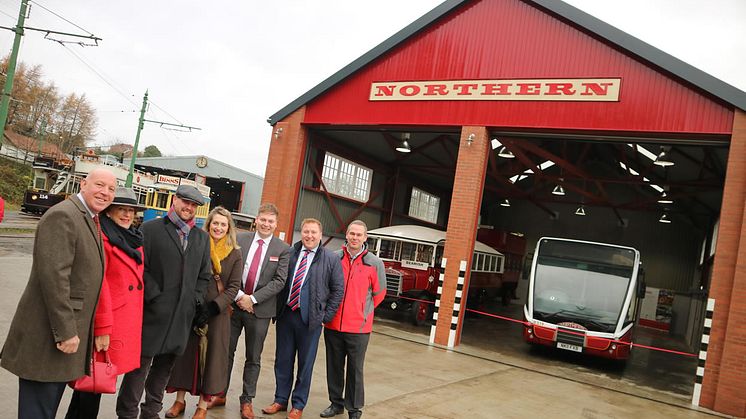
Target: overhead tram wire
61 17
101 76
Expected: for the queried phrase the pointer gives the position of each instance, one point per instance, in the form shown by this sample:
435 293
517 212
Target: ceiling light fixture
505 153
505 203
404 146
662 159
665 199
558 190
495 143
664 219
580 211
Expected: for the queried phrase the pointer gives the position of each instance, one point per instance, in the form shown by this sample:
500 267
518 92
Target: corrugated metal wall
669 252
509 39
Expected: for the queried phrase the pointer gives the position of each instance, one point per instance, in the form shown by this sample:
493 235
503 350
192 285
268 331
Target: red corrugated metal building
551 83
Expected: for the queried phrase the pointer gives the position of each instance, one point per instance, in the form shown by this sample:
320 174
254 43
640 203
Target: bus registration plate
568 347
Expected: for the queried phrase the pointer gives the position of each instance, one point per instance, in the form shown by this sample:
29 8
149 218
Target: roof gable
553 17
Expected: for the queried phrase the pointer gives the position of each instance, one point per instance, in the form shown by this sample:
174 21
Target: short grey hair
358 223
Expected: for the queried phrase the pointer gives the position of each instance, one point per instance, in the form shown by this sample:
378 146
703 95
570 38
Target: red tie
98 224
294 302
253 268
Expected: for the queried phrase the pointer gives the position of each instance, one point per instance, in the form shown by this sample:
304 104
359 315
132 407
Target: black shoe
355 414
332 410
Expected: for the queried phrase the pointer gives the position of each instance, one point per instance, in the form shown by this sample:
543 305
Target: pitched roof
577 17
32 144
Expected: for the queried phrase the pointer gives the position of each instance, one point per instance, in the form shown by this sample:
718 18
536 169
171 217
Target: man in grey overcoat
50 341
177 272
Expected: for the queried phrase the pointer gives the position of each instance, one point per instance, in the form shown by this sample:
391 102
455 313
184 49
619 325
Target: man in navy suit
311 297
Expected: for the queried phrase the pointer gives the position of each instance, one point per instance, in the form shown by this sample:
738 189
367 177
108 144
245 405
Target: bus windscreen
581 283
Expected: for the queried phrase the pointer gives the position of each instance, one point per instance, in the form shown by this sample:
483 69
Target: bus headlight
394 305
613 346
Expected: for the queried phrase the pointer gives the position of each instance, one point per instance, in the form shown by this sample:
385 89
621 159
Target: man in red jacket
347 335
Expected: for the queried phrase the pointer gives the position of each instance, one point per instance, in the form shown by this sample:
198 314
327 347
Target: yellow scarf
218 251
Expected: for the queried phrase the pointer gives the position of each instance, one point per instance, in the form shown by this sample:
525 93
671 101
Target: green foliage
151 151
15 179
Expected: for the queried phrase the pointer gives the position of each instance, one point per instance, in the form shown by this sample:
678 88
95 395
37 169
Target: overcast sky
227 66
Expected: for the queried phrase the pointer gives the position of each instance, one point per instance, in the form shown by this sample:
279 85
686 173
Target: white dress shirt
252 251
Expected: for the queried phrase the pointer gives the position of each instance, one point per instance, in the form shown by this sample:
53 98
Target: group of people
167 303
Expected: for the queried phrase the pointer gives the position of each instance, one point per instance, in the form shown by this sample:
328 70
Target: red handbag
103 378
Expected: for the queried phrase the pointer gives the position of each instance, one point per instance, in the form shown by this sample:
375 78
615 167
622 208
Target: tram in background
584 297
159 197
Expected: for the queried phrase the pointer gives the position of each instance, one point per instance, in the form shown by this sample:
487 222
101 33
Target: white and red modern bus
584 297
412 256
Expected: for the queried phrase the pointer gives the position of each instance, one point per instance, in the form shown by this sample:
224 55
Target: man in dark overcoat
177 272
50 341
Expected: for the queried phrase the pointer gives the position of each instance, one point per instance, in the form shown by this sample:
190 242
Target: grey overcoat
60 297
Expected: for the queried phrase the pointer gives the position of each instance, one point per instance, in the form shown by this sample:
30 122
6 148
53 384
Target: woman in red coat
118 320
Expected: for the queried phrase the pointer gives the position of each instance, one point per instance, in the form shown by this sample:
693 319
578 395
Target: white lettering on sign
415 265
581 90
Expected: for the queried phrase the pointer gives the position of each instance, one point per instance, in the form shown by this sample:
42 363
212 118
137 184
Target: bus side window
408 251
388 249
371 243
438 256
424 253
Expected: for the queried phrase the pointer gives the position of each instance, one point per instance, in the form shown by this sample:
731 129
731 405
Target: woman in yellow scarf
203 368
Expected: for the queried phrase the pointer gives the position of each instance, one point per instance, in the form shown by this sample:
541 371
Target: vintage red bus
412 256
584 297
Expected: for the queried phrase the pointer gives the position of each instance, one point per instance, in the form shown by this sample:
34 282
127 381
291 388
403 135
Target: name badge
274 258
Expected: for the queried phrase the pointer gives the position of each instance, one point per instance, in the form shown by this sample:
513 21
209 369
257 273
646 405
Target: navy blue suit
298 331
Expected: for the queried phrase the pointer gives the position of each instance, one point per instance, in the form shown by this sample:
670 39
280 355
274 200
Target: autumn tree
70 121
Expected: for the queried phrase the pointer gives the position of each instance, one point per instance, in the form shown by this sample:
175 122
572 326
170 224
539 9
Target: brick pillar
463 217
282 178
724 381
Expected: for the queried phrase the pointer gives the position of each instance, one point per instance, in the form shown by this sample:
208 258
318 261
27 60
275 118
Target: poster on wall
657 308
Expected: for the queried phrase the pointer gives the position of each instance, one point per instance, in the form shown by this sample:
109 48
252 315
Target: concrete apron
406 378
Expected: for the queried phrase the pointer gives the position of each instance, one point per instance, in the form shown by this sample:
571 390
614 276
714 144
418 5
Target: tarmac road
405 377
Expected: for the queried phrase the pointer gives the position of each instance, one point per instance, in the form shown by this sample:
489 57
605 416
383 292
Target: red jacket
119 310
365 288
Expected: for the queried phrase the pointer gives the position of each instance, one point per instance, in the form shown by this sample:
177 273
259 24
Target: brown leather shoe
247 411
295 413
274 408
215 402
200 413
176 409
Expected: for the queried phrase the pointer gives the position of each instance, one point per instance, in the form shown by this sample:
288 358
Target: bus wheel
422 312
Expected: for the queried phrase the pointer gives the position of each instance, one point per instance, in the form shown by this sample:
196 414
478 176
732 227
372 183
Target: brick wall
282 177
466 201
724 382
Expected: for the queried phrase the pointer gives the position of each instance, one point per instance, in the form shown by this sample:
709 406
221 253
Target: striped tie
294 302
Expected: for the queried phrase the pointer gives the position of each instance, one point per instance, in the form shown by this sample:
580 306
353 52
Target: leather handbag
103 378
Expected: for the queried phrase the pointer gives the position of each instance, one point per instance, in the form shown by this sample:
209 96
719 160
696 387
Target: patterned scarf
219 250
182 227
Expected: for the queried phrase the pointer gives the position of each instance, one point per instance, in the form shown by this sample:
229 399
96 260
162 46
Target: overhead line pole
7 89
140 125
12 61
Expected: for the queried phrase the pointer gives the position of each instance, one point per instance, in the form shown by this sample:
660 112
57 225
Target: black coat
175 280
325 282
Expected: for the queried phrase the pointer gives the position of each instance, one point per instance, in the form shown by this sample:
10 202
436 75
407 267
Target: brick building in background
579 104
